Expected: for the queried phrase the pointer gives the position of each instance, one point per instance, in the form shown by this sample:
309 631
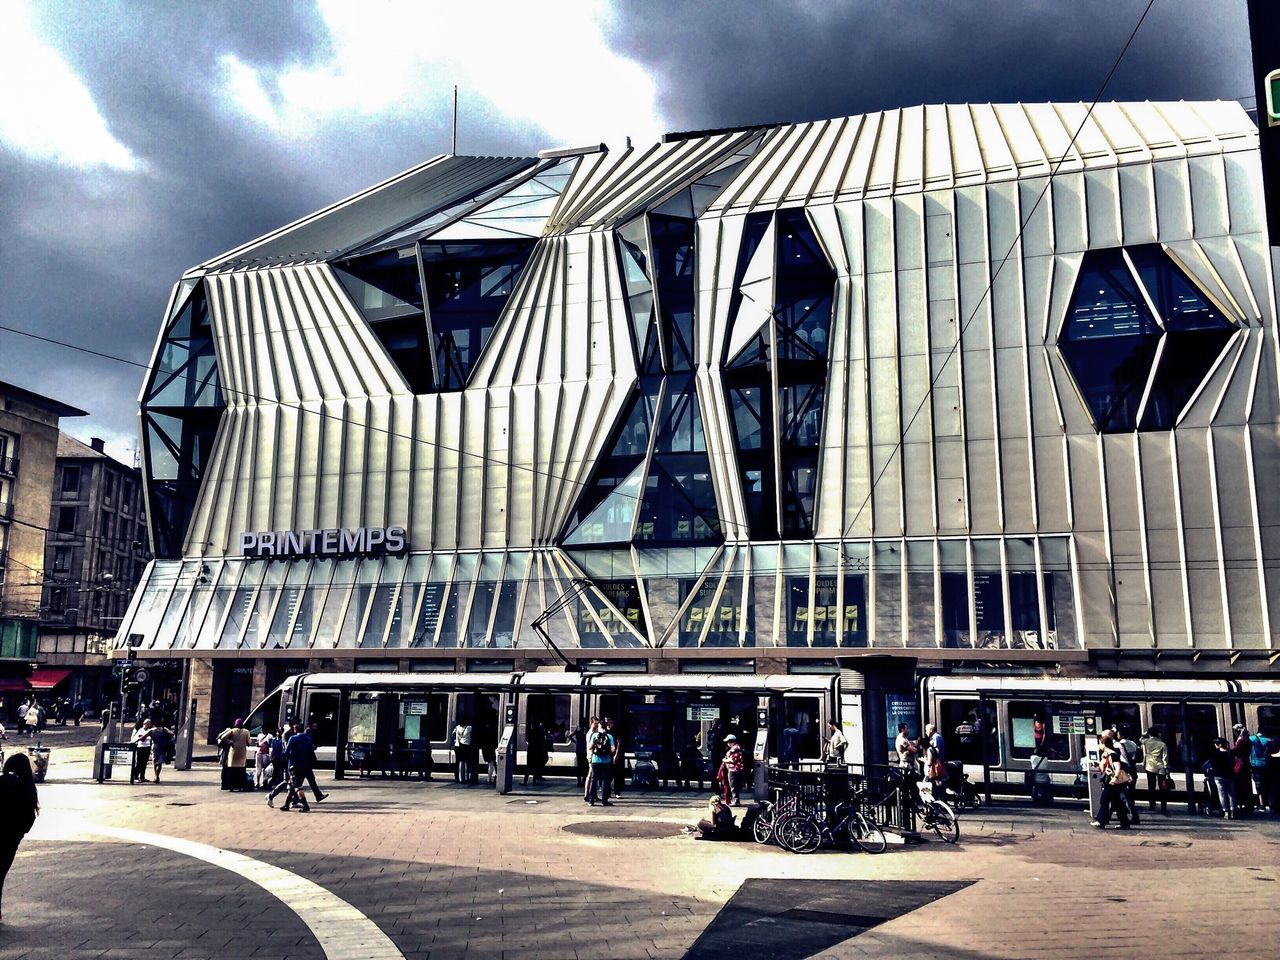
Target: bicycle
934 814
802 832
763 830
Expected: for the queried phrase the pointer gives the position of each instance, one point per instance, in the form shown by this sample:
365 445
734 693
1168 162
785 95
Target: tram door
481 710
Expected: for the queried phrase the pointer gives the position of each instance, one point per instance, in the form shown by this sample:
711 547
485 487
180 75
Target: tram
1009 729
660 718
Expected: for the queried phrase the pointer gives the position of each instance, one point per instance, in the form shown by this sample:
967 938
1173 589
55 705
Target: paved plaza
386 869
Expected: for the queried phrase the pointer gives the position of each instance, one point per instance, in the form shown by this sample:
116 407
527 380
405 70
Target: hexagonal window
1139 338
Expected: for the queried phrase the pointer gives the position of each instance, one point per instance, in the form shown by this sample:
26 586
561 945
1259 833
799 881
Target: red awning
46 678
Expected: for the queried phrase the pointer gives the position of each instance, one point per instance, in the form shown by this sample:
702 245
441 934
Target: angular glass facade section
1135 369
387 288
775 382
468 286
181 409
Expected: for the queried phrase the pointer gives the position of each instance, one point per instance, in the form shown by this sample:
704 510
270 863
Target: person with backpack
600 746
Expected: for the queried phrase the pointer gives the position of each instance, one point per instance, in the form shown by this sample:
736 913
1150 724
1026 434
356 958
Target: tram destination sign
337 542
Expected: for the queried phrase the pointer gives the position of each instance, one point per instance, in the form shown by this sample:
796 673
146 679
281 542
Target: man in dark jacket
300 754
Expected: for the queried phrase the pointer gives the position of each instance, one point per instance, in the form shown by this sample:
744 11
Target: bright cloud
543 64
46 111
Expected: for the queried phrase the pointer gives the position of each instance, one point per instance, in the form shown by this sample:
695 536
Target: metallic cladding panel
1173 534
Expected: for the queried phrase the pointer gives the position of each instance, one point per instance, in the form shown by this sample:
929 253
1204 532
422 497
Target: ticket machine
761 752
1092 756
506 753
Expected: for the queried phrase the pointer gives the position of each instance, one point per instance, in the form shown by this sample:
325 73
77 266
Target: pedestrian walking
600 777
309 766
579 740
1114 779
141 741
234 741
1129 761
1221 768
1155 762
34 718
162 748
19 804
731 768
300 755
833 750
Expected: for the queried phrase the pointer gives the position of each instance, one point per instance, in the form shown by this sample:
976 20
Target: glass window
1202 727
340 586
70 479
400 630
62 559
799 611
988 594
366 581
964 725
1268 720
553 712
424 716
223 589
1109 340
66 520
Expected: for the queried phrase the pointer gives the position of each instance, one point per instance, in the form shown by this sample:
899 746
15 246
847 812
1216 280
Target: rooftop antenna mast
455 120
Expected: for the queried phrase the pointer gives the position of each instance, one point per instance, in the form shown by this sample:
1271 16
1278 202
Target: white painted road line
343 932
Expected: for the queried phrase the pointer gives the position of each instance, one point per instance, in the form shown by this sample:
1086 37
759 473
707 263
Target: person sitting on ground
718 823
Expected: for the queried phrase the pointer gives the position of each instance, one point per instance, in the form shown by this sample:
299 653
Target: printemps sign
360 541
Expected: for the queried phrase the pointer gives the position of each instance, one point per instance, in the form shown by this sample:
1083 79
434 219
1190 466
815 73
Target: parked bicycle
803 832
932 814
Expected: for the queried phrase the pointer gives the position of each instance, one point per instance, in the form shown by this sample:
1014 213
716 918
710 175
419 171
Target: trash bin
39 761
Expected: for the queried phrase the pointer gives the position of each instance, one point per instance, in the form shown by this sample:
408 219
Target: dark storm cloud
91 256
730 63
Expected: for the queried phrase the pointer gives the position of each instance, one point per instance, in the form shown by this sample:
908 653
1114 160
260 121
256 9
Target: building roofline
40 400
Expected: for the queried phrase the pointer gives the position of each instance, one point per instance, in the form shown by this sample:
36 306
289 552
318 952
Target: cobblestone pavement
454 872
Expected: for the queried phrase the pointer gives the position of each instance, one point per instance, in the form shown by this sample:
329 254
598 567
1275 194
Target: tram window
1124 717
362 718
424 717
1268 720
962 729
266 714
552 710
1030 733
1202 727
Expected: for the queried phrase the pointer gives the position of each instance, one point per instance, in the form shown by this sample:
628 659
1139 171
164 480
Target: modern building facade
95 554
28 454
930 386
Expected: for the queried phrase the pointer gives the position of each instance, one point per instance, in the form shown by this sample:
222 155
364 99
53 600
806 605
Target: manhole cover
181 803
624 829
1165 843
525 803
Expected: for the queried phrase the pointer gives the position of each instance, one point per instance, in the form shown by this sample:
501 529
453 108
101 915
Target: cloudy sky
138 139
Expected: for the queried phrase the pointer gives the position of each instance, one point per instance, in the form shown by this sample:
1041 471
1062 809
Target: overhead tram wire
897 447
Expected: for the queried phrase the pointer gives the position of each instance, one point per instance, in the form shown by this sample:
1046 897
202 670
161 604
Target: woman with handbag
1114 781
